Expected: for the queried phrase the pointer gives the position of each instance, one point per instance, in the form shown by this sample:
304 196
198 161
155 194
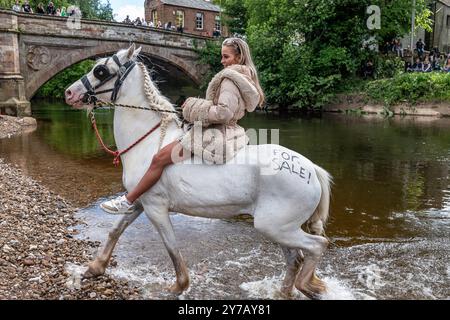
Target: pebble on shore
10 126
37 245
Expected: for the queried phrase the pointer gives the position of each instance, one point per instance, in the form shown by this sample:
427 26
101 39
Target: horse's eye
101 72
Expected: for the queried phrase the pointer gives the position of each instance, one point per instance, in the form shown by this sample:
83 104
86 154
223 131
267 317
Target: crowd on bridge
141 22
50 9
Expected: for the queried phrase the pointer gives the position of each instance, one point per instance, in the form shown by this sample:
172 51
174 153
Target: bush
388 67
410 88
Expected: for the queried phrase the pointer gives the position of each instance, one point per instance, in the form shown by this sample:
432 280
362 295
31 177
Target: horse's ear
136 52
131 50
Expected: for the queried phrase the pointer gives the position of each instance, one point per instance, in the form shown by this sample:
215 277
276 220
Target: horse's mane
154 96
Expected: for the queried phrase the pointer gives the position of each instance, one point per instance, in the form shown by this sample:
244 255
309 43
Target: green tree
90 9
304 48
234 15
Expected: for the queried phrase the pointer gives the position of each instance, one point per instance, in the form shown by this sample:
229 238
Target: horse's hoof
312 292
286 293
175 289
93 271
311 295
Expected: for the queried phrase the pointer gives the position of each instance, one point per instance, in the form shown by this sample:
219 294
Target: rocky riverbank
10 126
357 102
38 251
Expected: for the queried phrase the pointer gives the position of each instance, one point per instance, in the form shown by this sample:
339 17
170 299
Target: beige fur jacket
215 135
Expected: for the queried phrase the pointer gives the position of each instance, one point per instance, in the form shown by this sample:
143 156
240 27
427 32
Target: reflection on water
389 217
64 154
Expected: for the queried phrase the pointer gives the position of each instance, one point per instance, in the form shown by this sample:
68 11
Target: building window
199 20
448 21
179 18
155 16
218 24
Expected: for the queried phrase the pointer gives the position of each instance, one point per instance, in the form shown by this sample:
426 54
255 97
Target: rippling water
390 210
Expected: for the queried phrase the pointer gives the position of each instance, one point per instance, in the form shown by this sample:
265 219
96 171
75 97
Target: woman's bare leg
159 162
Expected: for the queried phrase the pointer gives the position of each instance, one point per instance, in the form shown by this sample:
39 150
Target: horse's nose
69 94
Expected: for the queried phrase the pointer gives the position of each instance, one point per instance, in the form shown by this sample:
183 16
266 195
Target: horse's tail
316 223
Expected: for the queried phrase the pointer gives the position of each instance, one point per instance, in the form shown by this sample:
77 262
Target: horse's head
104 80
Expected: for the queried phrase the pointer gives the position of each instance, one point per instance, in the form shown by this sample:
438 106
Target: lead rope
118 153
164 123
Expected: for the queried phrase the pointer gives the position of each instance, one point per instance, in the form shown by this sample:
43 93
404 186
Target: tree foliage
235 15
90 9
304 48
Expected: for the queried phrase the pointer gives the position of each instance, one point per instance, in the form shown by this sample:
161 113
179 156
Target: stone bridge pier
13 100
34 48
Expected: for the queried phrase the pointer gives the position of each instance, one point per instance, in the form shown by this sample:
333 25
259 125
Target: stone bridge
34 48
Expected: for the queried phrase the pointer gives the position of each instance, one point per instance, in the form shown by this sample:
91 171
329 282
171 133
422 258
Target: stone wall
12 87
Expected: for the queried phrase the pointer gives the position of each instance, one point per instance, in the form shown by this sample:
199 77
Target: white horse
280 188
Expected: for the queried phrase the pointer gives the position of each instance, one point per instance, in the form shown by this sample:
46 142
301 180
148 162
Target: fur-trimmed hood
240 75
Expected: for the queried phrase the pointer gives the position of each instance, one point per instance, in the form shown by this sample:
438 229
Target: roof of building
196 4
446 2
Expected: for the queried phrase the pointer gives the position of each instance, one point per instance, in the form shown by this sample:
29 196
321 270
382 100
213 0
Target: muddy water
390 214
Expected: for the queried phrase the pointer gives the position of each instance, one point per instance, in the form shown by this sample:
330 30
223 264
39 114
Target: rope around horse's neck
102 103
154 100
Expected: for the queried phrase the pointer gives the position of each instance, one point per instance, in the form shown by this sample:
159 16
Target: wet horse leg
164 226
307 281
294 260
312 247
98 266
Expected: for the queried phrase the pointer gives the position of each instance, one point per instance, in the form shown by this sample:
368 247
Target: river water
390 210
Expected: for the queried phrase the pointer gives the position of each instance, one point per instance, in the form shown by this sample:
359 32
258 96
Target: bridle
102 73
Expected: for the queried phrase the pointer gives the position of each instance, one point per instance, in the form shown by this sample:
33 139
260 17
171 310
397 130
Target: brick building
193 16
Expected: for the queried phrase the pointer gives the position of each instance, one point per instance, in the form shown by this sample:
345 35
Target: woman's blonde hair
245 58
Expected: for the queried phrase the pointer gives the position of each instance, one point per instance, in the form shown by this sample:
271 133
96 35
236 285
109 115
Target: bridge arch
62 62
37 47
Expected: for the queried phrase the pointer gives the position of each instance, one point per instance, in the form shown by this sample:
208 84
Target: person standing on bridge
231 93
17 7
40 8
26 7
51 10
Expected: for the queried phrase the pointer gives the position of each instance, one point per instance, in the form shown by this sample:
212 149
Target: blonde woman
230 93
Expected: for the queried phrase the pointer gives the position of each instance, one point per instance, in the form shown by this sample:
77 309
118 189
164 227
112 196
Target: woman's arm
197 109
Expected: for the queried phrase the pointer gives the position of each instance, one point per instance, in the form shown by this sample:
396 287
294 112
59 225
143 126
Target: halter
103 74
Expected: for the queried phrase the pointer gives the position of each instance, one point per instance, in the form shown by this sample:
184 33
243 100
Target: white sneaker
119 205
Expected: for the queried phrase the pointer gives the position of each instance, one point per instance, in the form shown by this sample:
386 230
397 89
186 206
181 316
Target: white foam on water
337 290
75 275
370 276
267 288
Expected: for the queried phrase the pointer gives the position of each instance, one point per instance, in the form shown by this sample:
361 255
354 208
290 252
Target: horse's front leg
98 266
161 220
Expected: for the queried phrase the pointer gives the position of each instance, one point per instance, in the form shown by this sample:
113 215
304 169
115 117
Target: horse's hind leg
312 247
307 281
294 260
98 266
